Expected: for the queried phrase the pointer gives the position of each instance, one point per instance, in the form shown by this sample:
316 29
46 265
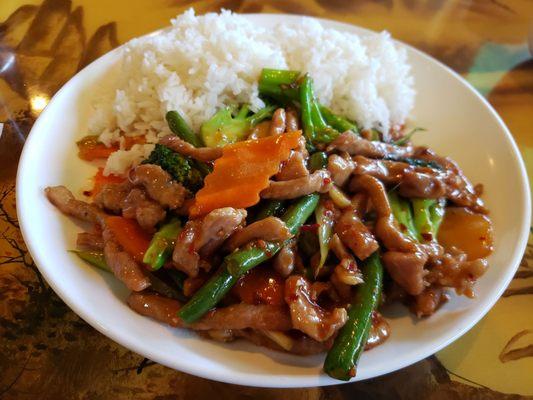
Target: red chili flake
352 372
87 193
309 227
327 181
427 236
403 228
482 238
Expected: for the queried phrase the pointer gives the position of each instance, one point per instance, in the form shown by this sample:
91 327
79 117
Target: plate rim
289 382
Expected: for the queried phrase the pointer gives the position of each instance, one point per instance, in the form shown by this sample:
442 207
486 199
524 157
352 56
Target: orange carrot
130 236
242 172
99 180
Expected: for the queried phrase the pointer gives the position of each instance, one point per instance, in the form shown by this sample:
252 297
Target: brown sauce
467 231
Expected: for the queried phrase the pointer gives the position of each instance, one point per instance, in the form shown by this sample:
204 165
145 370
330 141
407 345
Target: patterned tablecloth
47 352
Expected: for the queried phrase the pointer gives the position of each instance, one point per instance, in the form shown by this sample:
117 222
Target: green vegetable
180 168
401 208
339 198
162 244
318 160
308 243
230 125
376 135
428 215
324 219
315 128
415 162
281 85
422 218
160 286
95 258
239 262
437 211
341 360
269 208
337 122
179 127
403 140
177 277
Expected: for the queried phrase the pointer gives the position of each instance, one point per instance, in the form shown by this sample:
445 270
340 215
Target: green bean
269 208
160 286
177 277
239 262
318 160
324 219
208 295
95 258
279 84
162 244
337 122
179 127
306 103
341 360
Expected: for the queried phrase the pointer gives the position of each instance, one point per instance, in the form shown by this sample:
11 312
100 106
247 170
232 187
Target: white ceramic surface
460 123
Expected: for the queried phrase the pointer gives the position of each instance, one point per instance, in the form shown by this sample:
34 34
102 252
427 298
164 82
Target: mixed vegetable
290 226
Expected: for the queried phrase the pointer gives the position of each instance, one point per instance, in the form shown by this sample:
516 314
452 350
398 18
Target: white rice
205 62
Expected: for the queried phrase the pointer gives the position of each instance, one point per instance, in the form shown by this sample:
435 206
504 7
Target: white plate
460 123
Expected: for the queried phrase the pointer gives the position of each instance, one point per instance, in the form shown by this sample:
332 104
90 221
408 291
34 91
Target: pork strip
354 144
271 229
184 148
159 185
319 181
63 199
237 316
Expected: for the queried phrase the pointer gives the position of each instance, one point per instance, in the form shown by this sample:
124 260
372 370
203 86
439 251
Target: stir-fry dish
290 227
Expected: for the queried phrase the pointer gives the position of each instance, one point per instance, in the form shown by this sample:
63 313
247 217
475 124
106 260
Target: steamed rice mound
205 62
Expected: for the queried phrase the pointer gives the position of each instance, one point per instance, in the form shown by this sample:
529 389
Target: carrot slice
130 236
99 180
242 172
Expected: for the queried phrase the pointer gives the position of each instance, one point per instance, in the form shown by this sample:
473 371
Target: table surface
48 352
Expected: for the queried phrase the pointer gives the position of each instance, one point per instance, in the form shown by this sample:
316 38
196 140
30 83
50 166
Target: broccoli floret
227 127
180 168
